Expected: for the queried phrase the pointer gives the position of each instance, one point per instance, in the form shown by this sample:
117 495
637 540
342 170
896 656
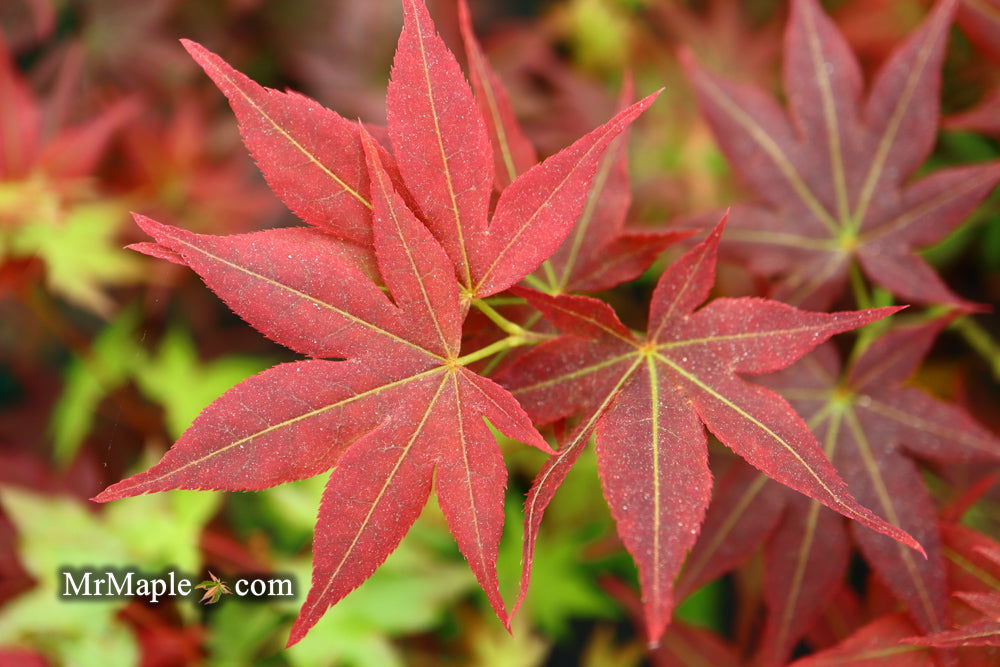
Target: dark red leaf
620 384
831 174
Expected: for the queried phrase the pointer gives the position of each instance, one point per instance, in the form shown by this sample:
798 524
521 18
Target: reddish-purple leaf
806 559
373 496
401 399
687 364
598 253
867 420
744 510
875 645
402 410
831 175
513 153
539 209
439 139
656 479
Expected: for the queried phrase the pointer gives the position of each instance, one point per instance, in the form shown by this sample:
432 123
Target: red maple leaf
646 398
401 409
974 576
983 118
599 253
64 156
871 425
831 173
877 643
980 19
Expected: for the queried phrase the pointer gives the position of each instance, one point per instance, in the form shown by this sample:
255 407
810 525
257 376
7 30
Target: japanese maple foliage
871 424
438 244
973 578
831 174
401 409
646 398
599 252
46 168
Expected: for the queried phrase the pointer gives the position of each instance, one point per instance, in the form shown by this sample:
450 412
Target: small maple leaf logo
215 588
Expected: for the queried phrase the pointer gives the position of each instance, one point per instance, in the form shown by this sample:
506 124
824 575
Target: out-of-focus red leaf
831 173
744 510
984 117
869 420
980 19
875 645
805 562
513 153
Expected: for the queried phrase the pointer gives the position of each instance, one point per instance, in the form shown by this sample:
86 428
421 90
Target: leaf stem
863 299
487 370
505 325
979 339
537 283
861 296
550 273
504 301
499 346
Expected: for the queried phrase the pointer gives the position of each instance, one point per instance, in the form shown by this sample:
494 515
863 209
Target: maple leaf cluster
416 228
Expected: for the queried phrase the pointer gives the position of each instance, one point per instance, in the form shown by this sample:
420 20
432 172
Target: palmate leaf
647 398
830 174
443 148
974 576
599 251
401 410
870 424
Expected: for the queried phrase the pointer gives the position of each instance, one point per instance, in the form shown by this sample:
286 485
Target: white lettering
82 588
281 587
116 588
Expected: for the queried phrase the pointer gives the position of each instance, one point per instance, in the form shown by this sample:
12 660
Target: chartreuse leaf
111 359
401 411
598 29
647 398
173 376
179 381
565 587
79 249
156 533
831 174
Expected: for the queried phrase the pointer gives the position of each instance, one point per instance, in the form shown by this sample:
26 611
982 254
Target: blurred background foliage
106 356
